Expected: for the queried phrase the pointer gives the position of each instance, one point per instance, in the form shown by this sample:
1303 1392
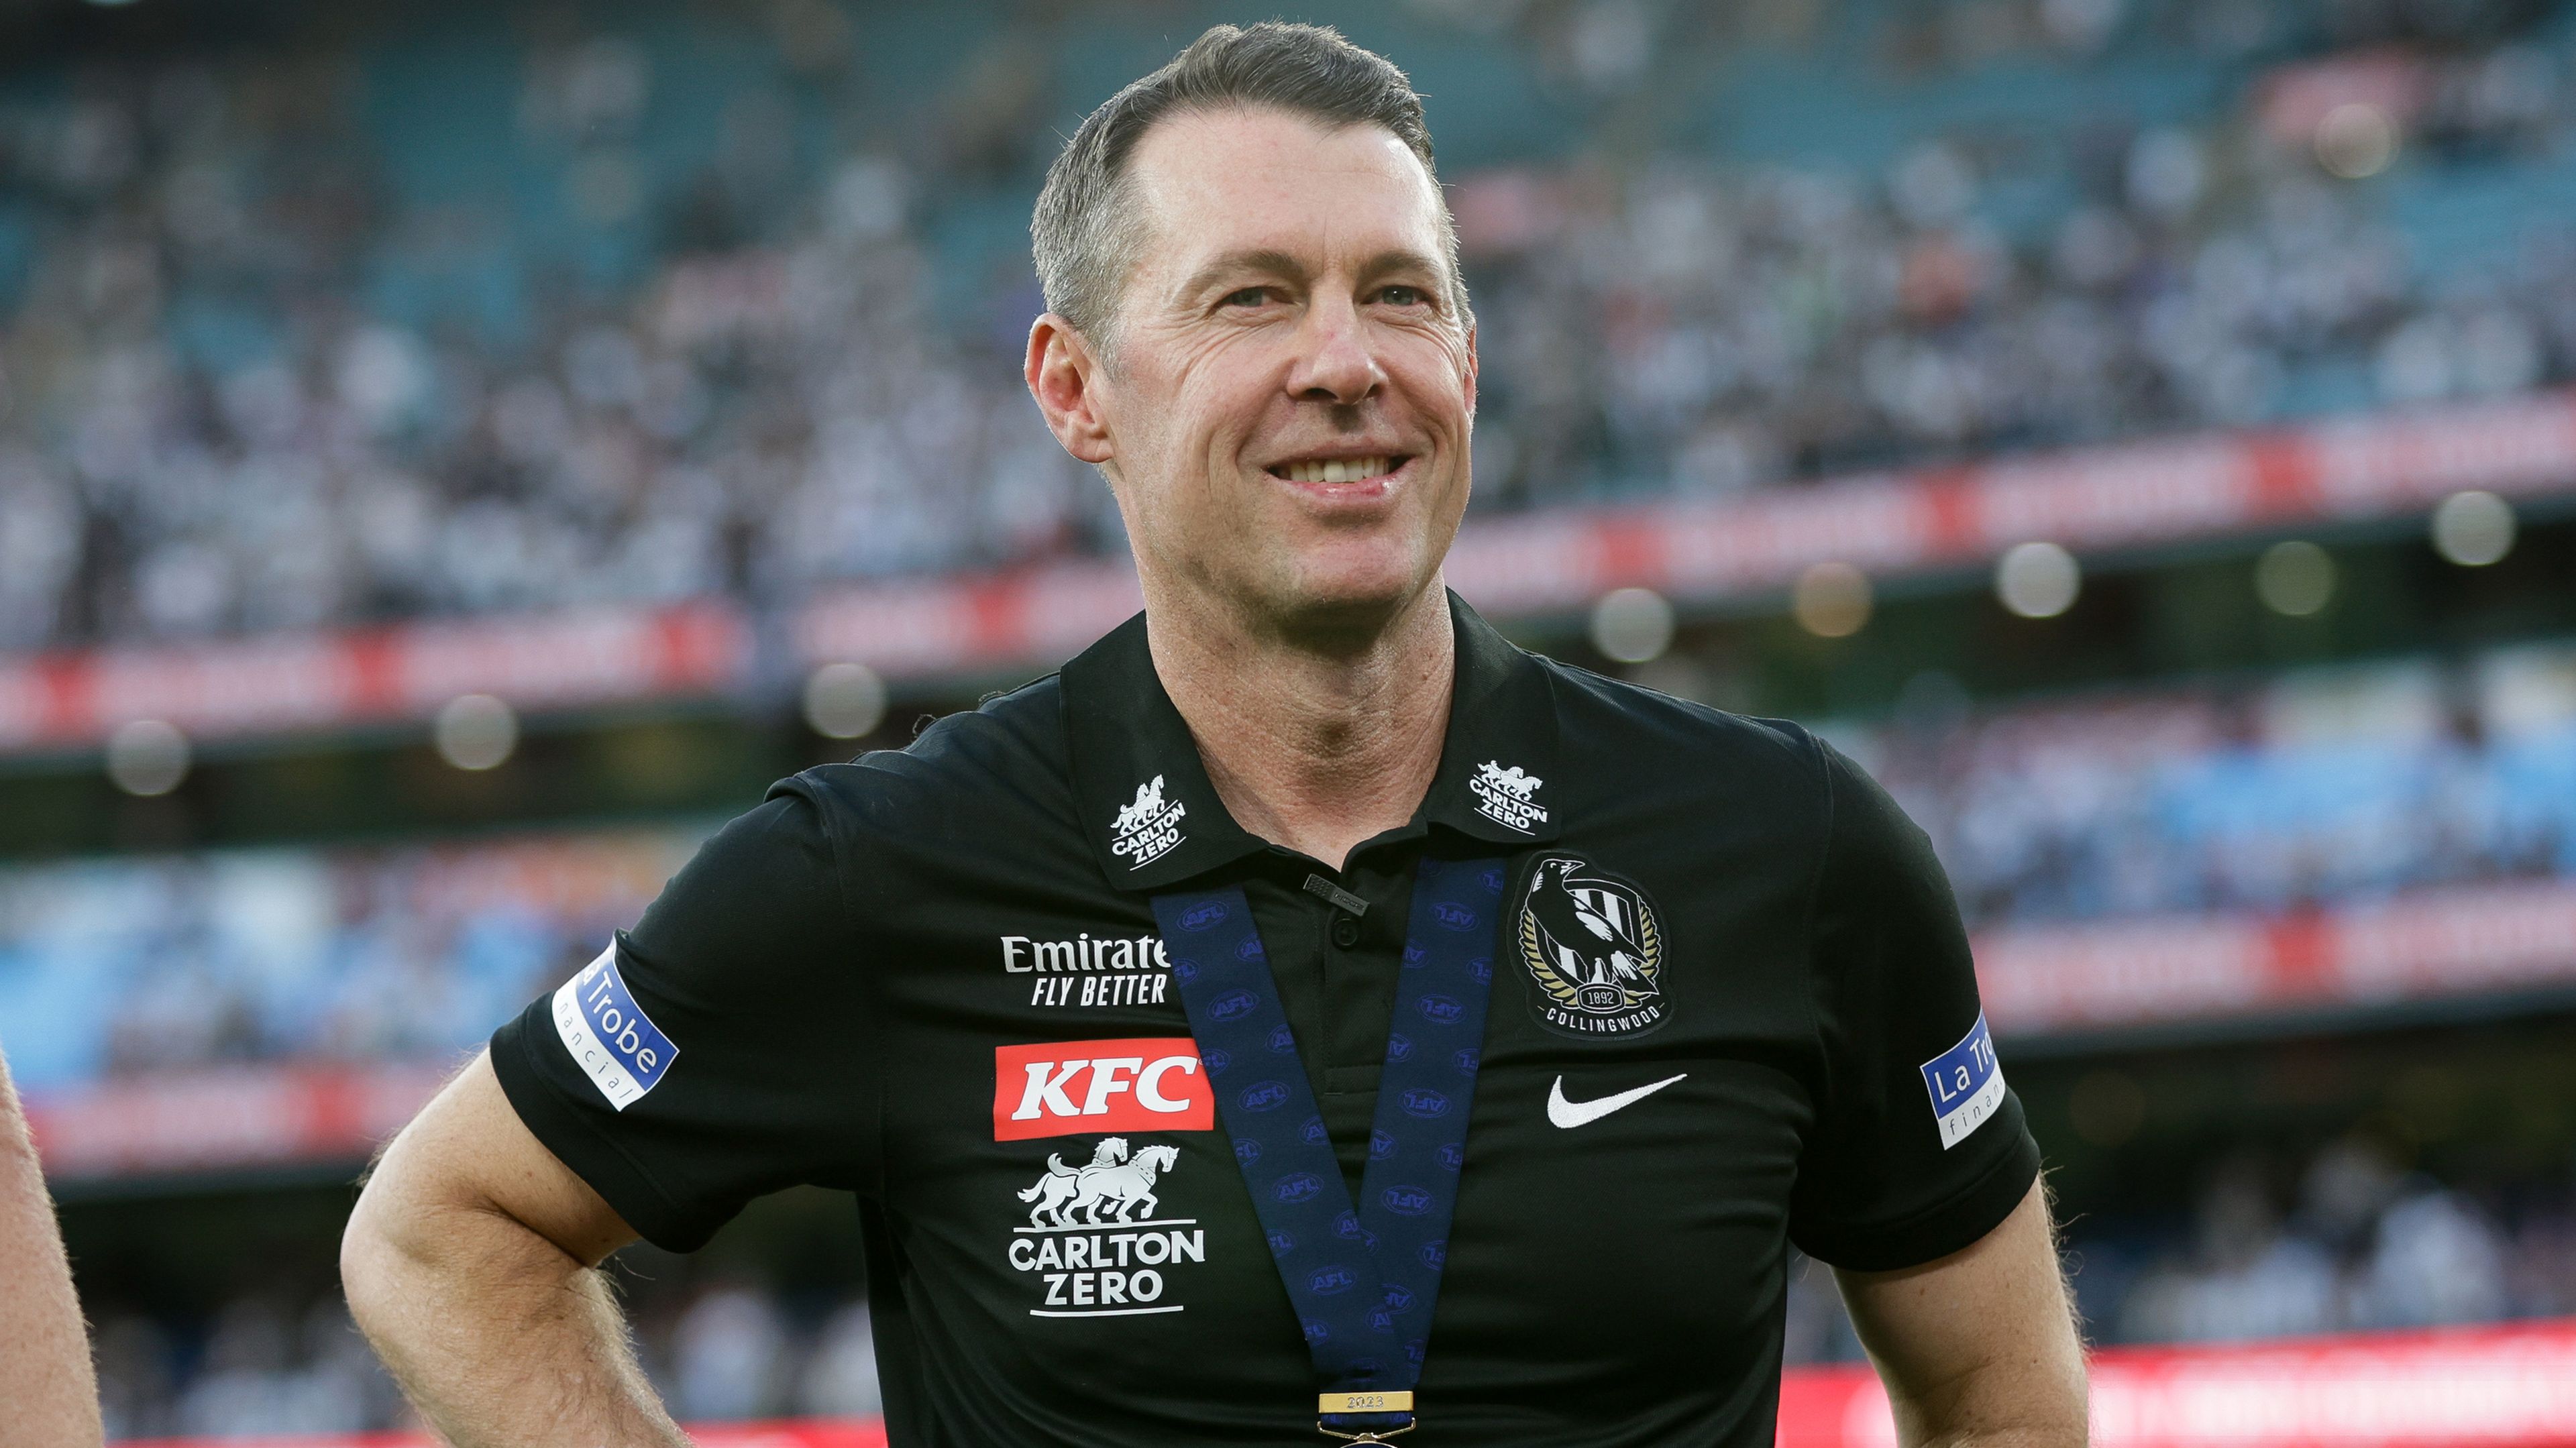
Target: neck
1313 743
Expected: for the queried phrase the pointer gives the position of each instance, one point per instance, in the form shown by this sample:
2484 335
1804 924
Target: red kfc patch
1060 1088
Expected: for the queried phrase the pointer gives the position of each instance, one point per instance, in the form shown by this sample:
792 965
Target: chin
1350 594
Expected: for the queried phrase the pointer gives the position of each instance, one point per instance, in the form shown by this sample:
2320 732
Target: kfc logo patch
1067 1088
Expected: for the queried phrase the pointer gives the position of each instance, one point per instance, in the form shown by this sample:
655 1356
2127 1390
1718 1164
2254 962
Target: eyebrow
1236 263
1399 260
1281 264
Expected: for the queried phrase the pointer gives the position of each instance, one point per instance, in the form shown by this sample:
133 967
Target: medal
1363 1277
1330 1405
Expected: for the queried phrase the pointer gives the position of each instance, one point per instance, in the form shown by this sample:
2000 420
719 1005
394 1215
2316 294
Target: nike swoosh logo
1571 1114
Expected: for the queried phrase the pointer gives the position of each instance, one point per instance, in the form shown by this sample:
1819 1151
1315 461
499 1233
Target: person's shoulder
1597 712
1005 757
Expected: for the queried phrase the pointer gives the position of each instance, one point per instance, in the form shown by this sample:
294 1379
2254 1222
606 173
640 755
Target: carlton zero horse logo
1093 1242
1504 795
1593 945
1111 1182
1148 829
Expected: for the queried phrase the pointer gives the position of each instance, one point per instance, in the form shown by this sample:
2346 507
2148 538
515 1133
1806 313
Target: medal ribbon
1363 1279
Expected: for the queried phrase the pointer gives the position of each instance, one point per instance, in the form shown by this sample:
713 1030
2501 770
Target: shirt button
1346 932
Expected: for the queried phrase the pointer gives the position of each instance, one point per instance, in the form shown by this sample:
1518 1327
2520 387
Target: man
47 1390
1089 995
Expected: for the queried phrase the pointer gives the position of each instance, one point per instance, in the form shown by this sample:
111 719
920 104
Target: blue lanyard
1362 1280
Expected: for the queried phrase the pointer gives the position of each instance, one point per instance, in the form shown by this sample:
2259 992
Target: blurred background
451 457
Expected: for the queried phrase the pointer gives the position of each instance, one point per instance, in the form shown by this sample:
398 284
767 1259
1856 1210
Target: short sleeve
1918 1148
720 1050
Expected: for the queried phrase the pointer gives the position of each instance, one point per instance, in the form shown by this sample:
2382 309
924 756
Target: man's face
1286 406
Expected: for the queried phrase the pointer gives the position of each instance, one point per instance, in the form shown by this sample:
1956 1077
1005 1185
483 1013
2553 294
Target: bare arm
1978 1348
45 1374
471 1264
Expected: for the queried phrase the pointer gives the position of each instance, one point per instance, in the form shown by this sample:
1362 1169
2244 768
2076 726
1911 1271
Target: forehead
1213 182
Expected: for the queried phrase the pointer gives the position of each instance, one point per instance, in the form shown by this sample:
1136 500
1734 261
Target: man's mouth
1338 470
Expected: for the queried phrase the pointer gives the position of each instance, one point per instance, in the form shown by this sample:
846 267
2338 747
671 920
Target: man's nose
1335 362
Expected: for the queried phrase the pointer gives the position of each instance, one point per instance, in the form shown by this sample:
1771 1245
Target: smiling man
1307 1013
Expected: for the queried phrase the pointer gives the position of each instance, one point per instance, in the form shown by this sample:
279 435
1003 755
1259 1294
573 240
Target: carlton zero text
1106 1269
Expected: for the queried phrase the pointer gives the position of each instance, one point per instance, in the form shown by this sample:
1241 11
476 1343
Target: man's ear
1063 375
1473 367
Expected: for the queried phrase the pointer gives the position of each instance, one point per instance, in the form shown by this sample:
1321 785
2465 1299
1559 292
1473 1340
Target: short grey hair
1083 234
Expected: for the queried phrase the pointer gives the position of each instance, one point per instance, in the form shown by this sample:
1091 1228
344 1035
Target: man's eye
1400 296
1247 297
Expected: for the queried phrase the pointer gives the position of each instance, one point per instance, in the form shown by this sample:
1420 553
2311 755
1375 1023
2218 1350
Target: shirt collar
1153 818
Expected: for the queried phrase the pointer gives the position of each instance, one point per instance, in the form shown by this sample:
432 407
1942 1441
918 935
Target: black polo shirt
1733 1010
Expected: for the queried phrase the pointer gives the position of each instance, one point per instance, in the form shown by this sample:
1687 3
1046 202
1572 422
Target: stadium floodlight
476 731
2356 139
2038 580
1632 625
147 757
2473 528
2295 578
844 701
1831 600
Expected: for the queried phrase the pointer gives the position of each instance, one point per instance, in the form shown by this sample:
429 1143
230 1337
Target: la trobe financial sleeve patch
608 1034
1966 1083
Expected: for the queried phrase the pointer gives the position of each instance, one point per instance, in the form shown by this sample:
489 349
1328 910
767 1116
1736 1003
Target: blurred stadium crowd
118 967
723 1350
2335 1239
2278 792
477 321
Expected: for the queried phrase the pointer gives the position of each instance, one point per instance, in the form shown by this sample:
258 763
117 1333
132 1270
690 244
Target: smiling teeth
1338 470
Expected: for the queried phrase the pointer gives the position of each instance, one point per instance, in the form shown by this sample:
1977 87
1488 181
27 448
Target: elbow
2040 1404
381 1238
365 1253
2071 1395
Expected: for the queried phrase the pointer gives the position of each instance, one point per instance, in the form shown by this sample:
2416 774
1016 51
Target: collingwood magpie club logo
1148 829
1505 796
1595 949
1097 1243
